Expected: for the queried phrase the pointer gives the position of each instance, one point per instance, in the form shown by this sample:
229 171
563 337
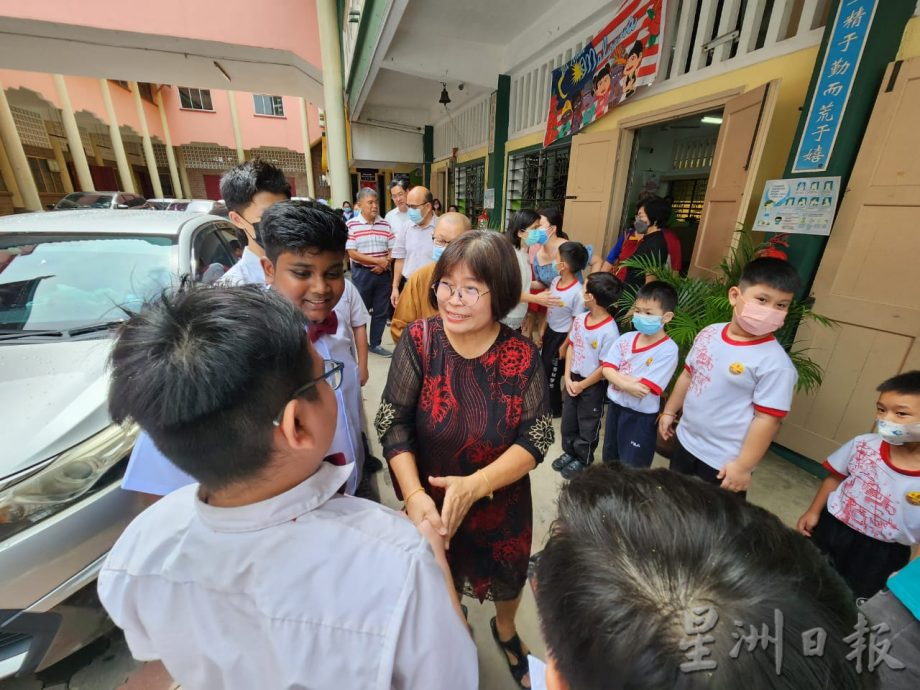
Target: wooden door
868 279
589 188
736 154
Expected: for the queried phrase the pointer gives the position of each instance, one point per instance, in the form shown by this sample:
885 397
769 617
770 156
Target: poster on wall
609 70
803 206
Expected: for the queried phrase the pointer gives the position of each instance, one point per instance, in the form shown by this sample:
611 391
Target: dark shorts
630 436
683 461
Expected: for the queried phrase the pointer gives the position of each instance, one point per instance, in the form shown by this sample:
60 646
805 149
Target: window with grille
47 181
268 105
537 179
195 99
688 198
470 187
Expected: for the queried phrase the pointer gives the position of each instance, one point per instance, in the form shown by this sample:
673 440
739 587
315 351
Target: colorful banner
621 58
835 81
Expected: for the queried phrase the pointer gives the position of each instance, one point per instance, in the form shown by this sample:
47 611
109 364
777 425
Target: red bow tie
327 326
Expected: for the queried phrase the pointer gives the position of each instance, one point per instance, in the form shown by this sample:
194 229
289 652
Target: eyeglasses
468 295
440 243
417 206
332 370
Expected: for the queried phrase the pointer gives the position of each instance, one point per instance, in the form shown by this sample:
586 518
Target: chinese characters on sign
804 206
832 91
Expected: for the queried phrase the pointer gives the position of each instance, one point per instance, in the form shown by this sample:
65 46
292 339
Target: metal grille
470 187
694 154
287 160
209 157
159 153
537 179
31 128
688 196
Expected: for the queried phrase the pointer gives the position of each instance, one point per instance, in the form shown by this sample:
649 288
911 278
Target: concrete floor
779 486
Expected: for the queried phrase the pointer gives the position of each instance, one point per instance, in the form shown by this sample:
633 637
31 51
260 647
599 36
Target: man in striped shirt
370 241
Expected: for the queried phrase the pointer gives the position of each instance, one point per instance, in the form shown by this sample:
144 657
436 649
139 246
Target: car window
212 256
84 200
67 281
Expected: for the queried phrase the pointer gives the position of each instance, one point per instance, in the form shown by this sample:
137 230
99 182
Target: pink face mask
759 320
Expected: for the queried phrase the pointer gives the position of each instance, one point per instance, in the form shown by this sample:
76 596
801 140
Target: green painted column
428 153
882 43
496 160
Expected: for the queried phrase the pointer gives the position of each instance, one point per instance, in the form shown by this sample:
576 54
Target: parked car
168 204
66 281
98 200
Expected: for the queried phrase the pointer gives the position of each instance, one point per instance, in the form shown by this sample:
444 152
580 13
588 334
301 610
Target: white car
85 201
66 280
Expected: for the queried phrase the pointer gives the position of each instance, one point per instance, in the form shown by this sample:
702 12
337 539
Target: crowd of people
269 562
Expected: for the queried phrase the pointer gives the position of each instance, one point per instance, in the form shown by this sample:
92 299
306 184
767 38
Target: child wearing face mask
737 383
866 514
639 366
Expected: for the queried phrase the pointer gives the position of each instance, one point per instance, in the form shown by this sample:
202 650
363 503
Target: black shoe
372 464
562 461
573 468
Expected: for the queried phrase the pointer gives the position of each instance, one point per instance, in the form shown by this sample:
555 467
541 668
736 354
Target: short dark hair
398 183
653 550
907 383
600 74
575 256
491 260
520 220
778 274
659 292
606 289
658 211
239 185
636 49
205 370
300 227
554 217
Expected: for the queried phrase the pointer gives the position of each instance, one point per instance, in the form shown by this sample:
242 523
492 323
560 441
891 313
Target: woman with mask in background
650 220
544 240
533 293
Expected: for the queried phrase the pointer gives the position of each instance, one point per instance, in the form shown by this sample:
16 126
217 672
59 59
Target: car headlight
63 480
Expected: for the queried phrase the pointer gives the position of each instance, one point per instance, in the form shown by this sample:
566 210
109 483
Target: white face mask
898 434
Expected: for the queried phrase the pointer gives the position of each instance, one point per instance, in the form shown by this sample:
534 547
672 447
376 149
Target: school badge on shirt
736 368
593 344
649 361
913 497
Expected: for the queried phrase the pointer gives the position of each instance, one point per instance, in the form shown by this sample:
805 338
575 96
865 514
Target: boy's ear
666 317
296 426
554 679
734 292
269 269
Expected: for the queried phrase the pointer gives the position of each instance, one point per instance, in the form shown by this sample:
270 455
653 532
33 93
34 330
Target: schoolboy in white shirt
737 383
262 575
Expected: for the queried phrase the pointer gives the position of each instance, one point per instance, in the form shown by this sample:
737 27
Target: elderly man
370 241
413 248
414 303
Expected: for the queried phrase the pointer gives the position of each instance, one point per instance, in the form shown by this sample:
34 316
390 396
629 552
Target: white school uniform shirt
351 310
308 589
653 365
729 381
590 343
516 316
560 319
415 246
247 271
875 498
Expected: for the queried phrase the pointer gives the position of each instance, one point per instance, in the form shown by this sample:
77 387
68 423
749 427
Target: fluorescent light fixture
709 120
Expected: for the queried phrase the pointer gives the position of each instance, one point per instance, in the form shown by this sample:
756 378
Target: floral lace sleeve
395 421
535 432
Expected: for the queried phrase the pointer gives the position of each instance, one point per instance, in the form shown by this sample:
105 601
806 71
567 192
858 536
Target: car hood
53 395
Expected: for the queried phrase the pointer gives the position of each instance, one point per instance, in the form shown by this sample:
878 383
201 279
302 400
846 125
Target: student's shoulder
165 520
364 521
669 348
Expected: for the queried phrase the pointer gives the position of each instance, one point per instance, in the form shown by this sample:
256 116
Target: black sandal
514 646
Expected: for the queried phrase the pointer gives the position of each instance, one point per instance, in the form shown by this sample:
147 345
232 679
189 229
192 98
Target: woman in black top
651 218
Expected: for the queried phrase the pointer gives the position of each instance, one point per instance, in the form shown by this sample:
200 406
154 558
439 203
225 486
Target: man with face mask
248 190
414 246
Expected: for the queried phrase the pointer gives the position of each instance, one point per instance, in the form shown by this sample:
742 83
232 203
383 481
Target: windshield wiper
94 328
11 334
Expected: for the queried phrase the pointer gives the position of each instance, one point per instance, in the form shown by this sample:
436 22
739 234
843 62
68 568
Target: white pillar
17 155
148 145
62 164
339 179
74 142
9 177
170 154
235 120
118 146
183 173
307 155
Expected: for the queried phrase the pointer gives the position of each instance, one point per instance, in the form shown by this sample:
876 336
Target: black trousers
554 367
375 292
683 461
581 420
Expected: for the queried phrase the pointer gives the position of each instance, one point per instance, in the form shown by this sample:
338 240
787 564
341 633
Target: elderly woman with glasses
463 420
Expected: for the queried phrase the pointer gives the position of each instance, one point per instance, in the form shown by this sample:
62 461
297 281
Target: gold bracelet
488 483
411 494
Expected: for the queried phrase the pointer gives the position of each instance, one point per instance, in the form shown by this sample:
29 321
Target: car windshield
85 200
61 282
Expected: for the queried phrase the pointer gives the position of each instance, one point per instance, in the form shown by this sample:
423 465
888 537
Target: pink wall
283 24
194 126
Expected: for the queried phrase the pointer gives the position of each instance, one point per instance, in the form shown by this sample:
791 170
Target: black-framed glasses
418 206
332 370
468 295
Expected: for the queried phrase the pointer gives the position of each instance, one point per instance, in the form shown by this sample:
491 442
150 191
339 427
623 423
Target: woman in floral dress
464 419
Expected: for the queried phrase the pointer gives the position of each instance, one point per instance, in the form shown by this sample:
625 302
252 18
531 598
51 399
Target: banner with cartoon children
621 58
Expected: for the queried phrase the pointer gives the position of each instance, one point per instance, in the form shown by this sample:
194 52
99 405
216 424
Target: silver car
96 200
66 280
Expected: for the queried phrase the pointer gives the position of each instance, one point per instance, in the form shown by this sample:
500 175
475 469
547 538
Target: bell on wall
445 97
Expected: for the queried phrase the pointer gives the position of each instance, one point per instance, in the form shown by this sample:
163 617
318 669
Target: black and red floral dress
456 416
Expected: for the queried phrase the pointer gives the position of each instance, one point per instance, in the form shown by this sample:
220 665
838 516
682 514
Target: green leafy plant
702 302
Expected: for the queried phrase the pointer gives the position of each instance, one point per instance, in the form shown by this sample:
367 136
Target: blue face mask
436 252
415 215
536 236
647 324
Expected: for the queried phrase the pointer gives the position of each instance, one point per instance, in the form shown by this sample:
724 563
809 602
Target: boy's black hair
606 289
176 371
520 220
659 292
907 383
658 211
575 256
302 226
600 74
632 615
239 185
775 273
